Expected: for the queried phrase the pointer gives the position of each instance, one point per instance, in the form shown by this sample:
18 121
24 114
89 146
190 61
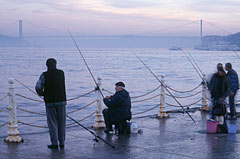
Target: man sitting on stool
119 107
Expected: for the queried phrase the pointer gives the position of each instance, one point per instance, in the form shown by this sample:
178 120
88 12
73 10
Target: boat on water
175 48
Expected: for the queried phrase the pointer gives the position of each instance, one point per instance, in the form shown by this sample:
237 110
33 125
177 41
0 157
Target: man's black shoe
232 118
53 146
108 131
61 146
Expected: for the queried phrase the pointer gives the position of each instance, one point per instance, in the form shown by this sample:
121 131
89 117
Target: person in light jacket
51 85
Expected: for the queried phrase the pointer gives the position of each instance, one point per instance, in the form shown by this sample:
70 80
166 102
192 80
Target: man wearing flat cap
119 107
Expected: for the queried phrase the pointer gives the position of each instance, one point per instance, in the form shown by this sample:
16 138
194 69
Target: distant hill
234 39
7 41
220 43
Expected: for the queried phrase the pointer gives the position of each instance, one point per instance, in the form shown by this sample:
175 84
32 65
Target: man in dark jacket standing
219 87
51 85
119 107
219 90
234 86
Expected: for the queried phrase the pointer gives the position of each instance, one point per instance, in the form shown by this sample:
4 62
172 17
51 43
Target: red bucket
212 126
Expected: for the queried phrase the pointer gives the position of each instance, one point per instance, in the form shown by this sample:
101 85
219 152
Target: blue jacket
119 106
233 77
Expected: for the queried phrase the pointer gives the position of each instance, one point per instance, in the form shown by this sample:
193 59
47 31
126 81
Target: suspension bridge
149 39
62 33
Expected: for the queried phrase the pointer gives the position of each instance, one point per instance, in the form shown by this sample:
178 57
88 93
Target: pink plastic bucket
212 126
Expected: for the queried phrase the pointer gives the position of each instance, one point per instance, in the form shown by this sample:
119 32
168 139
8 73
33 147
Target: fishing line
162 84
85 61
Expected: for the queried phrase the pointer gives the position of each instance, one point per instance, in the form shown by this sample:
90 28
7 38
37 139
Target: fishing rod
235 52
27 87
222 29
198 72
163 85
96 136
196 64
85 61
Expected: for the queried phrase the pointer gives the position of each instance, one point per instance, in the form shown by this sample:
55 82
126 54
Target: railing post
162 112
99 123
13 133
204 95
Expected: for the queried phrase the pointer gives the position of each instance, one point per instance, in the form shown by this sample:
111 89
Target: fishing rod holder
99 122
162 112
13 133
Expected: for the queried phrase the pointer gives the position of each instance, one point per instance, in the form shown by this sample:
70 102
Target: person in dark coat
119 107
51 85
234 86
219 86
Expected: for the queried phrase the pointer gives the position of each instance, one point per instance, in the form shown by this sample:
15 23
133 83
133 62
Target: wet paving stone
177 137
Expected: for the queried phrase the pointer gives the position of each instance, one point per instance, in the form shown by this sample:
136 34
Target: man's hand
97 88
222 99
231 93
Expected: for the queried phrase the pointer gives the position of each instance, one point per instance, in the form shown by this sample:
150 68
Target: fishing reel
95 139
97 88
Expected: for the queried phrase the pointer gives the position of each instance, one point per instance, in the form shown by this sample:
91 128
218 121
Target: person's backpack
219 108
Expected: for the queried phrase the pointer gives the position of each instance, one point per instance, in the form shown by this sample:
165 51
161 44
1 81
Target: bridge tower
201 40
20 29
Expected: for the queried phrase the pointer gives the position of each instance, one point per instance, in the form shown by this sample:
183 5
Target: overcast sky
118 17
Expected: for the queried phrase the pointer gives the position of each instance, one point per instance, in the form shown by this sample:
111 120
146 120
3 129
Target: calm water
112 65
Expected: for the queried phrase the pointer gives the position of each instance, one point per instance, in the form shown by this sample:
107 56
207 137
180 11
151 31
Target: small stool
122 127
